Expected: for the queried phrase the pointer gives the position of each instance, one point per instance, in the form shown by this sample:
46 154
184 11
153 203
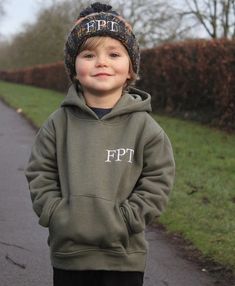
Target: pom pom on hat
97 7
99 20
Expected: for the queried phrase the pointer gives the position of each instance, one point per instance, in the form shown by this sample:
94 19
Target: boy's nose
101 61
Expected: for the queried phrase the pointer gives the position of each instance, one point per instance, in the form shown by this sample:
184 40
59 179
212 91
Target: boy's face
103 69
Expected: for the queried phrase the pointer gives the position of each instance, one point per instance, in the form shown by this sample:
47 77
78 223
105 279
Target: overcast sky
18 12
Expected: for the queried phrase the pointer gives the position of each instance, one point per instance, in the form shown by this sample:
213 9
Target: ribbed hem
100 260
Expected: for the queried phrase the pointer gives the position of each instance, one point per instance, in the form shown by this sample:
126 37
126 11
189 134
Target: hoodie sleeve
42 175
150 196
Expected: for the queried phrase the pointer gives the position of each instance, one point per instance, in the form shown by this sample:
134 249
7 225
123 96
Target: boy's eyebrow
114 47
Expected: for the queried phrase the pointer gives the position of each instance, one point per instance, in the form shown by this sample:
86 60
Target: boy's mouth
102 74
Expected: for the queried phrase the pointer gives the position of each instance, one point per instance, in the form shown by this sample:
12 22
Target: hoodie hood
134 100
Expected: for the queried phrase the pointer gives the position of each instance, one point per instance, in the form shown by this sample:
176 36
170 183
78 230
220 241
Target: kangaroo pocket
86 221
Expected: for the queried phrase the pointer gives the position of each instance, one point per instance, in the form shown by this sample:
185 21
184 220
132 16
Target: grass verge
36 103
202 205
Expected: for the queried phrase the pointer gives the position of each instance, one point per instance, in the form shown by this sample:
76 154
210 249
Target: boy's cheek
80 67
80 73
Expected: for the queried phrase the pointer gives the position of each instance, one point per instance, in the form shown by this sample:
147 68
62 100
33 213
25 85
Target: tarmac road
24 256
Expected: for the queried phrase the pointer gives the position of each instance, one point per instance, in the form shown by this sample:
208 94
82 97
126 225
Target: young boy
101 168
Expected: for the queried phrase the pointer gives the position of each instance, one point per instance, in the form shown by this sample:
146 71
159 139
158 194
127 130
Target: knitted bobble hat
99 20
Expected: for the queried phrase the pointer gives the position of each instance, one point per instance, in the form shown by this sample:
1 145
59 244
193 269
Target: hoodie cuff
47 212
128 217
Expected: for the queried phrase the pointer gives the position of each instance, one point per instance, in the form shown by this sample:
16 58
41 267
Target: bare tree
153 21
217 17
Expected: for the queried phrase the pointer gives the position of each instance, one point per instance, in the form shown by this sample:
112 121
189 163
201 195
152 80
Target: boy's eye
88 56
114 55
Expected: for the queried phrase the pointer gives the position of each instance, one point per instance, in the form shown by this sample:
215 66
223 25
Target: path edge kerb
22 114
224 275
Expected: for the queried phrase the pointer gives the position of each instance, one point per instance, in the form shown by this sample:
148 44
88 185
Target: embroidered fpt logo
119 155
97 25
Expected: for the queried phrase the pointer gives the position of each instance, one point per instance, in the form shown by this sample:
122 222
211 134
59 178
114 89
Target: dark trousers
97 278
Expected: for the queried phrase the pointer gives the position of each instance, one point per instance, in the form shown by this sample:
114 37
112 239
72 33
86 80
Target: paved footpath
24 256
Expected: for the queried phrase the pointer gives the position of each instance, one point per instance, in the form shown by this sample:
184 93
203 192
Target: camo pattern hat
99 20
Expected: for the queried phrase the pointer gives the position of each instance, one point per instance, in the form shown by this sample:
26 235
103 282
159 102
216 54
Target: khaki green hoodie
97 183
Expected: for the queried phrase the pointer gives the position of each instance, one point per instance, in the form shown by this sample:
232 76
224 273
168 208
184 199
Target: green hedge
195 79
51 76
